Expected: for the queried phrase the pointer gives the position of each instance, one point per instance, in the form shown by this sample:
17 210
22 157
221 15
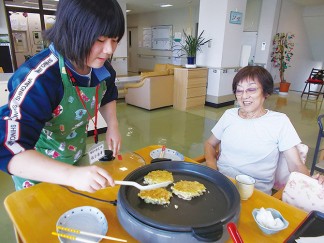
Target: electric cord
93 198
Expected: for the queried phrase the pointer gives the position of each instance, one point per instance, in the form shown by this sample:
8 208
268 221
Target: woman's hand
320 179
89 178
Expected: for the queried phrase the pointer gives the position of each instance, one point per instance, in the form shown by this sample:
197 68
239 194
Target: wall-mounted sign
37 37
162 37
147 37
235 17
20 41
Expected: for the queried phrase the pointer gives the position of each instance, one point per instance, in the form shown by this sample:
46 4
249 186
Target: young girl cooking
55 94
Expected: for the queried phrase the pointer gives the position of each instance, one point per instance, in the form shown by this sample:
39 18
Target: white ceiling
143 6
137 6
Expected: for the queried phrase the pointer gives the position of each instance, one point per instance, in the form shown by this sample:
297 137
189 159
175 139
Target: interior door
132 43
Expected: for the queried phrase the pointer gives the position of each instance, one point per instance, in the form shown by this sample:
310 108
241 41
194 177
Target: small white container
245 186
275 214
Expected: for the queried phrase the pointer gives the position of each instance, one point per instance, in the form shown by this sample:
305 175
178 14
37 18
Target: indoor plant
283 47
191 45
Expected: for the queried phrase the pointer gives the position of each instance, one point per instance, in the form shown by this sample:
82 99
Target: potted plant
283 47
191 45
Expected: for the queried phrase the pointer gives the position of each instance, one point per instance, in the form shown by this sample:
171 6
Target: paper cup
245 186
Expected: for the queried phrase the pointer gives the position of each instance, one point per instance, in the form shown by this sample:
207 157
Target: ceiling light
128 10
165 5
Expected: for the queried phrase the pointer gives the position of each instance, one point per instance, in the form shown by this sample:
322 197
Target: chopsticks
82 233
161 155
70 237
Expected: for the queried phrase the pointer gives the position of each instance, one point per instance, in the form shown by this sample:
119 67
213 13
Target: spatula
140 187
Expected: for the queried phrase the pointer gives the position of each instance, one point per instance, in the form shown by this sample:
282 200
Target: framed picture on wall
235 17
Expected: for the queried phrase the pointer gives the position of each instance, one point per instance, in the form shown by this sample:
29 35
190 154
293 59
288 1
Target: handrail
225 69
153 56
115 58
137 84
134 85
221 68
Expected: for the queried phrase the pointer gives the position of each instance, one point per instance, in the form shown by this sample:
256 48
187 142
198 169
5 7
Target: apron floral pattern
63 138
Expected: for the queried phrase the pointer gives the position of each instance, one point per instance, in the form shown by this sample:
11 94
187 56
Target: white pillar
222 55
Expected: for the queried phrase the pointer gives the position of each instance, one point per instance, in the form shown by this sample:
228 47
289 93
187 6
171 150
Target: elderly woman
251 136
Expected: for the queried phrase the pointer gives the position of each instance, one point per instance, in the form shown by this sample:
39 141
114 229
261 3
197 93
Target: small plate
276 214
168 154
86 218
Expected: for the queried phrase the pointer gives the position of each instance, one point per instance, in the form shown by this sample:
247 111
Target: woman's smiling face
249 94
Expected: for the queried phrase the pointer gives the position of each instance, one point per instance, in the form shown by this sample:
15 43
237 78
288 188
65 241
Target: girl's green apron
63 138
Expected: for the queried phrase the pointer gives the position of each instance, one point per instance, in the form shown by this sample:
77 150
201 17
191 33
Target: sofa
155 90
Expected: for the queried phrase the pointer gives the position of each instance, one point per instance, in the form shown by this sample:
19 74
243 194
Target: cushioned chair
315 78
304 192
282 172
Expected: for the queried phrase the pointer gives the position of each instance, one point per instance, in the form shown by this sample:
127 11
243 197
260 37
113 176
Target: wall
252 15
222 56
314 20
180 19
233 33
5 48
23 28
119 61
212 19
269 18
292 20
3 20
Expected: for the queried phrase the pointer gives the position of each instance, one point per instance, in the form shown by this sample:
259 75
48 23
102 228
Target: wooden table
35 211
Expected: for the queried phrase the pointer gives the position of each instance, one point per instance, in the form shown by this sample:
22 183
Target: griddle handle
209 233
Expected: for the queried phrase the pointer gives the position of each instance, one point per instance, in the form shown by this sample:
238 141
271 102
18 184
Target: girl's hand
89 178
113 140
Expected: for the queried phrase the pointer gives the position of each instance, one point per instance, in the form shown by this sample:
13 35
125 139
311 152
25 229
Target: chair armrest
278 194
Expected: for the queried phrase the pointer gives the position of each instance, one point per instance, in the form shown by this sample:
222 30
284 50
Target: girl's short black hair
79 23
257 73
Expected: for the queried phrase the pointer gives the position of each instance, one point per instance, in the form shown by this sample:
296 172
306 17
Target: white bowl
275 214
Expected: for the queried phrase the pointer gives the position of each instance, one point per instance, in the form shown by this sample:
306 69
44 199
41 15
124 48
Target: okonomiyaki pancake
188 189
158 176
159 196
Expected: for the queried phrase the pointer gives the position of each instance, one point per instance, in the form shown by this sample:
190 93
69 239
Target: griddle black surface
213 209
312 226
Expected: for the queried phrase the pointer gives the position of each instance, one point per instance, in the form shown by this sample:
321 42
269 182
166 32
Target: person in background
55 94
251 137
